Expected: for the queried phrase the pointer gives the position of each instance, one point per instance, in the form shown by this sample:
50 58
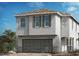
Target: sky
8 10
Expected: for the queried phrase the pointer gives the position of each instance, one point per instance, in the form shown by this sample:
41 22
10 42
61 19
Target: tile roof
41 11
44 11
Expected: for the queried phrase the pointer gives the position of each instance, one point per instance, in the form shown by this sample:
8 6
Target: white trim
35 23
45 23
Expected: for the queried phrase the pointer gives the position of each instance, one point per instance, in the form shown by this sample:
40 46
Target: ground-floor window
64 44
67 44
77 43
70 44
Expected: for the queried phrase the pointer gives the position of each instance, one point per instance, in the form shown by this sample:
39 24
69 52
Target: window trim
42 22
35 22
72 24
22 22
46 26
76 27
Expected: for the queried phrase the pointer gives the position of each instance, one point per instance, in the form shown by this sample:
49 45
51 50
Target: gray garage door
37 45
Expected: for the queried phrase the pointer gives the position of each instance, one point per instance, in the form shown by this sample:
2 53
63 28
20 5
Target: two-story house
46 31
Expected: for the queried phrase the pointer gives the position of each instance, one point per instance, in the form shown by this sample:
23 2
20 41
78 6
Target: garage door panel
37 45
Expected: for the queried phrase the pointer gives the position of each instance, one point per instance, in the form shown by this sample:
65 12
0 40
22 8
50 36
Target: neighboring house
46 31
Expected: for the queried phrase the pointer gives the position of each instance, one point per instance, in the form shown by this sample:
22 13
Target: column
19 44
57 44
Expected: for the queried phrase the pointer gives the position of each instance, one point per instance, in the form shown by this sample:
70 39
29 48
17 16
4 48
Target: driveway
28 54
40 54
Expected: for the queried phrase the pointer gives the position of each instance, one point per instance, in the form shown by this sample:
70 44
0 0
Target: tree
7 40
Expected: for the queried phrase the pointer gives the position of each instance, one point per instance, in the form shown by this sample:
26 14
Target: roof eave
17 15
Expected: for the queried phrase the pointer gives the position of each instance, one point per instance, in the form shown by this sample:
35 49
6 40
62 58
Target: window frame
76 27
44 21
72 24
22 22
38 24
41 21
70 44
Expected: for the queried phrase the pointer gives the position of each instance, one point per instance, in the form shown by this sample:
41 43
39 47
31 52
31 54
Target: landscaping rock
12 52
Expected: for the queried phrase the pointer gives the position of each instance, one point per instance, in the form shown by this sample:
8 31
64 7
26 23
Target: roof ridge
45 11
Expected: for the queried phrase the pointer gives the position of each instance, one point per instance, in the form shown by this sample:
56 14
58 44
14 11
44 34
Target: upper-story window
37 21
42 21
72 24
23 22
47 20
64 21
76 27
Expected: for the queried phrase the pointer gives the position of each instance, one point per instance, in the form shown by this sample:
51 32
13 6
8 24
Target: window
42 21
76 27
78 42
67 43
22 22
47 20
37 21
64 43
70 44
72 24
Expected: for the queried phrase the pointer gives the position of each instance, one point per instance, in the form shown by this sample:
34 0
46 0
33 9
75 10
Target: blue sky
8 10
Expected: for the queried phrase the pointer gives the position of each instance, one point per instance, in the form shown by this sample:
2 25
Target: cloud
36 4
74 3
65 4
7 25
71 8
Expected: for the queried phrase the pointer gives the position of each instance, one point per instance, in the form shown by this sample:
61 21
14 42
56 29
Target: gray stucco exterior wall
60 27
